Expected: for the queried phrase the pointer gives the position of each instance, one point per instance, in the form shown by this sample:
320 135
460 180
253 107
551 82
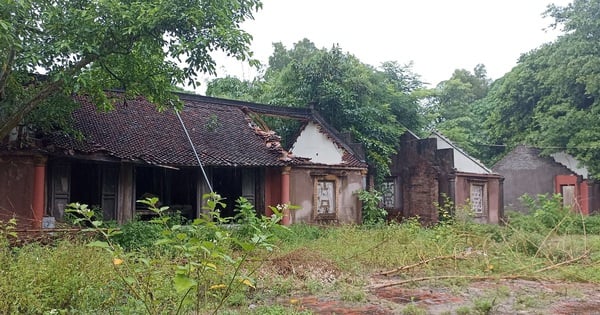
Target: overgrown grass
70 277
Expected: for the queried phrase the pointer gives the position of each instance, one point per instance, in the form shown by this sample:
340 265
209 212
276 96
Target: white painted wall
462 161
571 163
314 144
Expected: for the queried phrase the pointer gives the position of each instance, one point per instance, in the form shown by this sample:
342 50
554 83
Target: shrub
371 212
205 272
592 224
138 235
547 213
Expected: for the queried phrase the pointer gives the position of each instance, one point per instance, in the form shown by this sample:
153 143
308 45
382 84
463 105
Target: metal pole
194 149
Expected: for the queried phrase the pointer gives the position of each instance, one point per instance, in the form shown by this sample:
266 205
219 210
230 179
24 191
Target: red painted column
39 178
285 195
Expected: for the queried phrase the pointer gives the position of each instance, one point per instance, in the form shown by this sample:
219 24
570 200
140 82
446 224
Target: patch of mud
428 297
328 306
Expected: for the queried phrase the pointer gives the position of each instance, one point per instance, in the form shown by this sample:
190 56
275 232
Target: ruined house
427 173
135 151
527 171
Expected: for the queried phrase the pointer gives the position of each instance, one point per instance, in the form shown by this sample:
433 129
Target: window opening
568 196
326 197
388 189
477 198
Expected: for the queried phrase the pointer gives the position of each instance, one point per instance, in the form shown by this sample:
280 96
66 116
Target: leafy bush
592 224
547 213
371 212
138 235
208 262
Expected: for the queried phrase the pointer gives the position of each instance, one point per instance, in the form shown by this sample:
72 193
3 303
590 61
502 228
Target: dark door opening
173 188
85 184
227 182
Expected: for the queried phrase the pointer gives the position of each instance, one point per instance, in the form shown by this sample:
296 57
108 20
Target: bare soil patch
515 296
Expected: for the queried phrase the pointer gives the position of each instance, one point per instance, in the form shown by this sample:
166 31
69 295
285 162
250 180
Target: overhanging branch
47 89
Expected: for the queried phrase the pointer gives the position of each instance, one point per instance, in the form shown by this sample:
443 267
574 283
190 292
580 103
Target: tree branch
49 88
5 71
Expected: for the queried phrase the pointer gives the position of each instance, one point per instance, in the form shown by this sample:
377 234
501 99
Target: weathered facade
134 151
526 171
426 173
332 177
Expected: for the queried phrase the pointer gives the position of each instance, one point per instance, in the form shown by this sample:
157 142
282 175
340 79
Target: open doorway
227 182
175 188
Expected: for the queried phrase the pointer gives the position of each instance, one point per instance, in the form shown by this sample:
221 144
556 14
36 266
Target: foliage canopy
375 105
551 99
49 49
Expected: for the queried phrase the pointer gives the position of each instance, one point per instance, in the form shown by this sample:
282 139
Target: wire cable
194 149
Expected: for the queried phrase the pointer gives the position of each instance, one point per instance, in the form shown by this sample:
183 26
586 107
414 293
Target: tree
551 99
51 49
375 105
455 107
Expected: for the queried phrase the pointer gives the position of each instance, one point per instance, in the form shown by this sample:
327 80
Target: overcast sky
438 36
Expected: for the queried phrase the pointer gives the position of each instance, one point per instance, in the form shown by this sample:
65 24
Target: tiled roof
135 130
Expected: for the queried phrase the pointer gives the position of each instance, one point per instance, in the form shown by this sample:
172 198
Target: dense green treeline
549 99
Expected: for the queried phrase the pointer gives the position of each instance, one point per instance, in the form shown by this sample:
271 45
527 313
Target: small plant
445 211
82 215
413 309
484 306
463 310
7 231
372 213
206 273
353 294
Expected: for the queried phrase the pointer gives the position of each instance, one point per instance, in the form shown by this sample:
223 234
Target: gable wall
462 162
313 144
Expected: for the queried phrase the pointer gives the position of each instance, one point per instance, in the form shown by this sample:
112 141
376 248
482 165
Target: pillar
285 194
452 191
39 178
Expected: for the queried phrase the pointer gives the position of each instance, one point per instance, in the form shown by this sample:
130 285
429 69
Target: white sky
438 36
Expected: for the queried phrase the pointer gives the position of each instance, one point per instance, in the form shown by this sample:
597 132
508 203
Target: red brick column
285 195
39 179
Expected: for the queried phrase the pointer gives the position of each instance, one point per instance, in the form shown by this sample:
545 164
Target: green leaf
183 283
129 280
99 244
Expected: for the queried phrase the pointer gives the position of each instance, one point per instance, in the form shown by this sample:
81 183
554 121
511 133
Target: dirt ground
514 296
502 297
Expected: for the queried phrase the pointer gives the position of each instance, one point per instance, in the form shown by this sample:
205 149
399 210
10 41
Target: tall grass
70 277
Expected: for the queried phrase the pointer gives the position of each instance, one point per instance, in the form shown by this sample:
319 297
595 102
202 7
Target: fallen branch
566 262
423 262
478 278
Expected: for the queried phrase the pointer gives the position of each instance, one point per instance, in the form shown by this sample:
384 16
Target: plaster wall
16 189
525 172
462 162
313 144
302 194
493 204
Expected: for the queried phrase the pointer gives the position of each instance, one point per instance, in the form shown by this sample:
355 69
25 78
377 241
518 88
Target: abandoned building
426 173
134 151
527 171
